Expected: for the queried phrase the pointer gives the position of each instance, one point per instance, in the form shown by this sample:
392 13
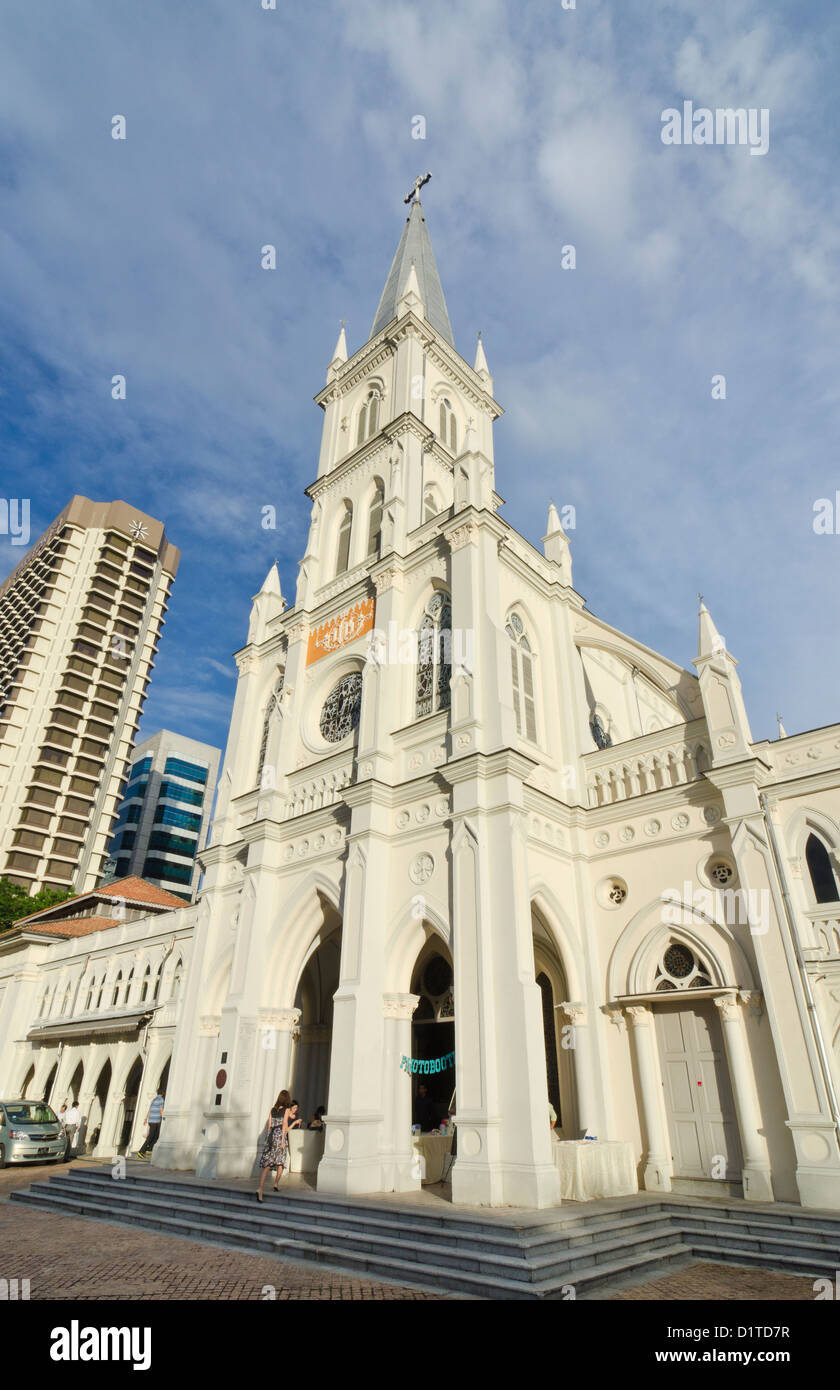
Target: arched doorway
433 1033
129 1105
93 1121
314 998
27 1082
558 1033
49 1083
74 1090
163 1079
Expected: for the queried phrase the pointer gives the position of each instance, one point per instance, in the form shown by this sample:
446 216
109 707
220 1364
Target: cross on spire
414 195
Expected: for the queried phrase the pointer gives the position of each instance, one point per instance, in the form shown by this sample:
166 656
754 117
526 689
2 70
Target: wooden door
698 1096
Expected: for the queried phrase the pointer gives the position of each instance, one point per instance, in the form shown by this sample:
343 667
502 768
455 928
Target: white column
657 1177
581 1050
278 1031
397 1149
758 1184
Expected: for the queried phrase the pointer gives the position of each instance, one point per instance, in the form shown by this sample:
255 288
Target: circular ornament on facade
335 837
423 813
611 892
627 833
402 819
721 872
470 1142
342 707
711 814
680 821
815 1147
602 839
726 740
290 853
221 1078
336 1140
442 808
422 869
320 842
653 827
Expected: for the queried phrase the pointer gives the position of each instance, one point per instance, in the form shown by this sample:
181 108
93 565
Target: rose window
680 968
342 707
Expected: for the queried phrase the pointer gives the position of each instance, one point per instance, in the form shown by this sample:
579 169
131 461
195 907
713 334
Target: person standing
276 1141
72 1121
154 1119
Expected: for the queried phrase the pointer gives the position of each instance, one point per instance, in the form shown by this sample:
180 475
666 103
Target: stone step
808 1266
487 1281
475 1256
542 1240
259 1224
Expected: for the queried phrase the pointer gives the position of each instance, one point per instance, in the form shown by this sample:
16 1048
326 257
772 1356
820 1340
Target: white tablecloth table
591 1168
306 1147
435 1150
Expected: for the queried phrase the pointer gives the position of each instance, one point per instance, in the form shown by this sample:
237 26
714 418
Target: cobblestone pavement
67 1257
721 1284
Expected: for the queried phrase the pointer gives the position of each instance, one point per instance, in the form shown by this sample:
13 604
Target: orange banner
341 630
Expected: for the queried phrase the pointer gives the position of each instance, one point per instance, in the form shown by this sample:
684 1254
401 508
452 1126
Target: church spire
415 249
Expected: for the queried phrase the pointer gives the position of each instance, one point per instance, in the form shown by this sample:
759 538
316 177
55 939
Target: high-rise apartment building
80 621
165 812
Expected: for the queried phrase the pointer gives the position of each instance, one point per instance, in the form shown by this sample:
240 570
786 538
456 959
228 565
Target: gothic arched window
821 870
522 673
434 656
375 522
271 709
176 979
343 556
146 981
448 426
430 504
368 417
115 997
599 732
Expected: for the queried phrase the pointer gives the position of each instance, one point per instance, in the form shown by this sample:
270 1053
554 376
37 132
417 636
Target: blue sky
293 127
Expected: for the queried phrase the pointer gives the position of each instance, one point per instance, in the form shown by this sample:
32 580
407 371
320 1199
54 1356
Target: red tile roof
129 890
73 926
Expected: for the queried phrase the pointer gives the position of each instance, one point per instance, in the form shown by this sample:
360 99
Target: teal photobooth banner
430 1067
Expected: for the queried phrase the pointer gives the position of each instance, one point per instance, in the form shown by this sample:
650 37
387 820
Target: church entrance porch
433 1039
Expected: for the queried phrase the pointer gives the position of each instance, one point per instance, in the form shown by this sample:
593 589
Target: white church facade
464 821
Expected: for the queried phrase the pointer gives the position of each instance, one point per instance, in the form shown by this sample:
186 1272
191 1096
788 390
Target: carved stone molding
640 1015
284 1020
209 1025
399 1005
463 535
575 1013
728 1006
388 579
